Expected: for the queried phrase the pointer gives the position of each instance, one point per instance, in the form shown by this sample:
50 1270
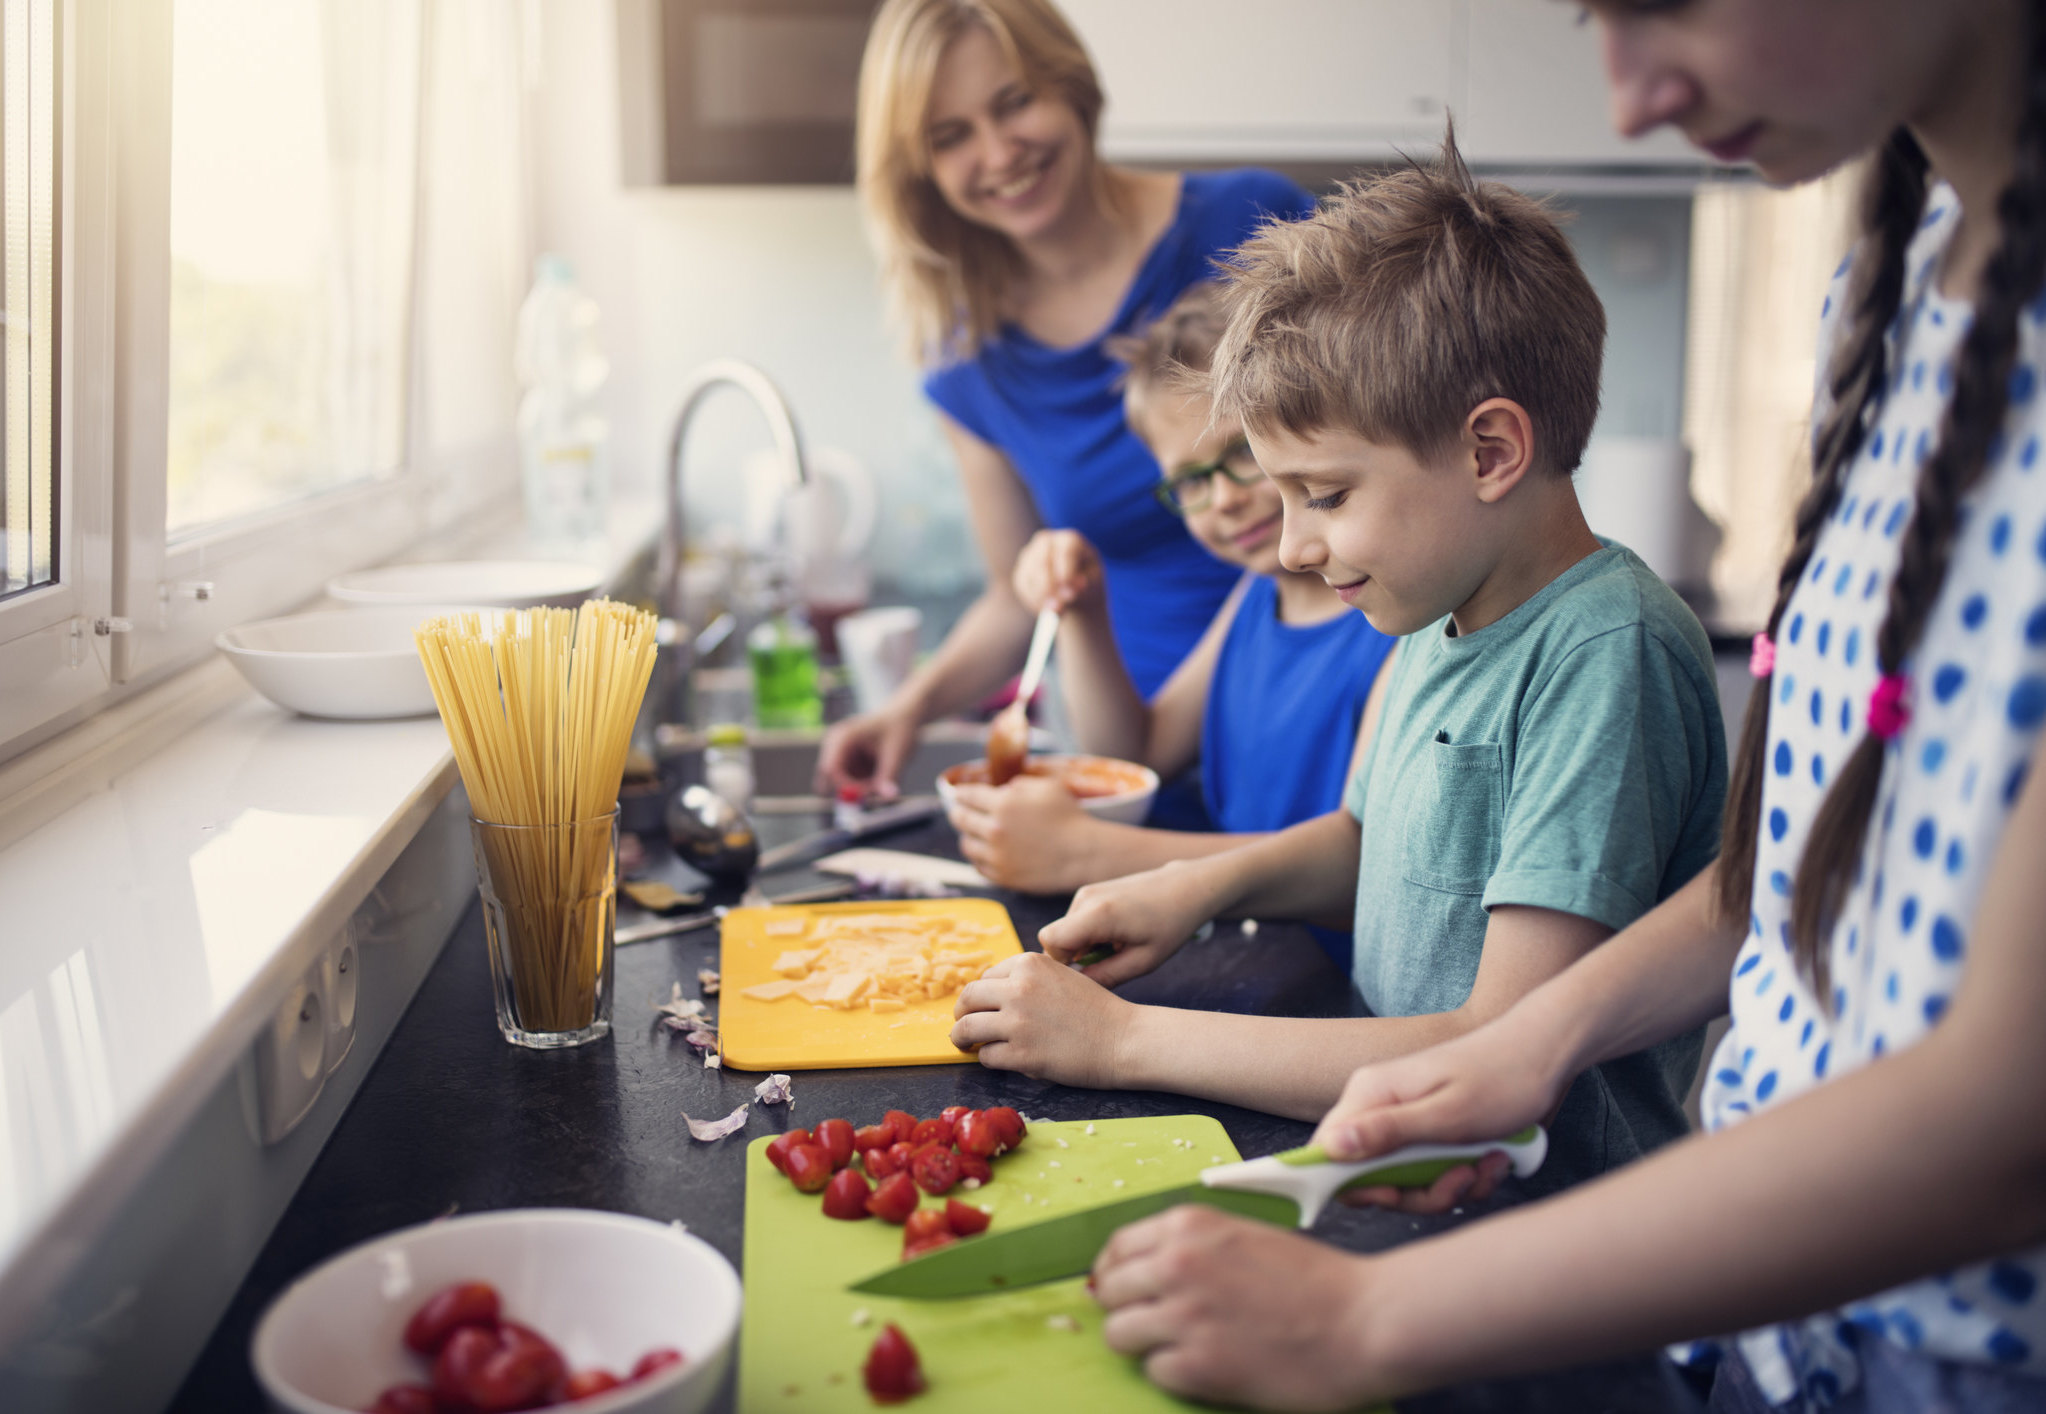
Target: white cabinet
1355 81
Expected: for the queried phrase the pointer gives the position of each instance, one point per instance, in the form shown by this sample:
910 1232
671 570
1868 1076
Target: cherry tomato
809 1168
456 1367
1009 1124
972 1167
902 1153
518 1376
893 1373
964 1219
978 1136
935 1170
835 1137
895 1199
900 1125
584 1384
846 1195
406 1399
927 1244
778 1148
872 1136
655 1361
950 1114
933 1131
466 1303
881 1162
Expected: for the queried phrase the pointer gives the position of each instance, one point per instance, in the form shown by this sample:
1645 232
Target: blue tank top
1056 414
1281 719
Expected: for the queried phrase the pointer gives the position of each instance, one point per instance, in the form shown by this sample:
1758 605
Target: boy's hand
1057 569
867 750
1145 917
1030 834
1230 1311
1032 1014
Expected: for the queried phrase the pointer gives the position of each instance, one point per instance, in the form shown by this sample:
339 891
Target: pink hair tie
1887 712
1762 656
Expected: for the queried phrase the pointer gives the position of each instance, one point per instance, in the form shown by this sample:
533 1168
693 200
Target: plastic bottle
783 652
561 437
728 765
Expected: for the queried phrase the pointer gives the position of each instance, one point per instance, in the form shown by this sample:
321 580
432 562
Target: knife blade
1285 1189
880 820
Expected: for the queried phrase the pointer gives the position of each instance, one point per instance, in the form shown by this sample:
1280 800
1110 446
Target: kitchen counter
453 1119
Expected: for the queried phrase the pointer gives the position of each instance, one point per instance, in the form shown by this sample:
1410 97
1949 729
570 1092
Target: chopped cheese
770 991
884 960
786 927
884 1004
796 962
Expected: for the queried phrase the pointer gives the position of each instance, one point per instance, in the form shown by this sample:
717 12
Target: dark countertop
453 1119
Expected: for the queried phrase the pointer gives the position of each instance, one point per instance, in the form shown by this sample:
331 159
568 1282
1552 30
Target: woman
1010 252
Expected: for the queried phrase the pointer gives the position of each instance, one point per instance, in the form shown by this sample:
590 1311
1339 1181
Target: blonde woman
1010 253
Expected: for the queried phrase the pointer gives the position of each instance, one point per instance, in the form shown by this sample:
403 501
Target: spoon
712 834
1008 736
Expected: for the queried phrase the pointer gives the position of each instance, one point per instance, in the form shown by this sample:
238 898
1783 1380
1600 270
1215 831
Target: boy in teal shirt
1416 366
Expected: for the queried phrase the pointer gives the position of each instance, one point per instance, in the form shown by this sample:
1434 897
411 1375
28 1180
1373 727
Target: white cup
878 647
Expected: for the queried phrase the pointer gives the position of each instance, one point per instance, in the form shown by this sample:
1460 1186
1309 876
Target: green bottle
783 651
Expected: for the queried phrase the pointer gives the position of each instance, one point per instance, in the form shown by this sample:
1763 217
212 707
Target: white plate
504 584
353 664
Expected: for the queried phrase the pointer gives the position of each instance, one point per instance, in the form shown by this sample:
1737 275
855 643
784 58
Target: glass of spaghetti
549 908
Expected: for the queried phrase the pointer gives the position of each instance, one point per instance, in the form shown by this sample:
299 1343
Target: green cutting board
801 1347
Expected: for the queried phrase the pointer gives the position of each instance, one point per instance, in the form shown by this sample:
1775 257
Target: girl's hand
1145 917
1059 569
1032 1014
866 750
1230 1311
1483 1085
1030 835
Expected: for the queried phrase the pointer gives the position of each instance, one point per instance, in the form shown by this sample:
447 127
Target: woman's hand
1486 1084
1038 1016
867 751
1223 1309
1030 835
1145 917
1057 569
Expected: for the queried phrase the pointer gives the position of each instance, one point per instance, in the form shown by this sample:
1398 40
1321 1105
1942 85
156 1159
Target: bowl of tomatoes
597 1313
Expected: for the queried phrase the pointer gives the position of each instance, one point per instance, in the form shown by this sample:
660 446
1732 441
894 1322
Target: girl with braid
1862 1226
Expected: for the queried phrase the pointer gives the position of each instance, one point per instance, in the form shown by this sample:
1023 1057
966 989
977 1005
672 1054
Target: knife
1288 1189
879 820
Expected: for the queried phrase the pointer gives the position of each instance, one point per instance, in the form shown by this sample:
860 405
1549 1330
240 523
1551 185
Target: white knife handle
1312 1180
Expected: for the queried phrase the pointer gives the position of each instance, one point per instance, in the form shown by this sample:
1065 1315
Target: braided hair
1968 438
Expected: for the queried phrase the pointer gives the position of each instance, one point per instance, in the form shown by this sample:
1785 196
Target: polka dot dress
1977 700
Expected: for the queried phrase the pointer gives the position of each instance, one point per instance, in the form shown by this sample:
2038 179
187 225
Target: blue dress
1281 720
1057 415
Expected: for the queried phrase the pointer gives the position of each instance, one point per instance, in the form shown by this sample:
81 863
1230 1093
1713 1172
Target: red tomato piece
893 1373
778 1147
964 1219
809 1168
406 1399
459 1361
951 1113
933 1131
935 1170
835 1137
927 1244
585 1384
518 1376
977 1135
902 1154
924 1223
846 1195
466 1303
972 1167
900 1125
655 1361
1008 1124
872 1136
895 1199
881 1163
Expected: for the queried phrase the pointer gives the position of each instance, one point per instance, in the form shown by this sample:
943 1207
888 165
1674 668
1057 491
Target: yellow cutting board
791 1034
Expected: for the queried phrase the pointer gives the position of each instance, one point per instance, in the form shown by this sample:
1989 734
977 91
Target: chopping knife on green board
1288 1189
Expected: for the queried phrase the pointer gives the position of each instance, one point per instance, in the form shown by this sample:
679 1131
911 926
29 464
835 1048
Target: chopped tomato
846 1195
459 1360
932 1131
872 1136
809 1168
881 1162
902 1153
895 1199
927 1244
977 1135
835 1137
406 1399
973 1166
964 1219
935 1170
1008 1124
778 1148
655 1361
892 1372
519 1375
585 1384
951 1113
900 1125
466 1303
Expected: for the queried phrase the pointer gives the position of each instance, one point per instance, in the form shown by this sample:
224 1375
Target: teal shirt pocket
1456 820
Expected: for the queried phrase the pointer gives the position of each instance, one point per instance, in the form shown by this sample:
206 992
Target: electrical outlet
288 1063
340 971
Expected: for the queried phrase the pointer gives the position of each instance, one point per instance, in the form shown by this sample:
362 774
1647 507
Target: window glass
294 139
28 499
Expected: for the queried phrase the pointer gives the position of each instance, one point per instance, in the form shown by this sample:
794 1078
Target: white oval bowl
353 664
1124 808
499 584
605 1288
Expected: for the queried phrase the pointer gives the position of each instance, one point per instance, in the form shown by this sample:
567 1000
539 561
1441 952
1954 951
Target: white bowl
1127 807
603 1287
352 663
500 584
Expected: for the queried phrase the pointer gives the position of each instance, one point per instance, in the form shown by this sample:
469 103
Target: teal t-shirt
1569 756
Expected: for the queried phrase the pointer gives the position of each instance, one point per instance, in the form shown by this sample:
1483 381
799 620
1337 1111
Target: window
28 110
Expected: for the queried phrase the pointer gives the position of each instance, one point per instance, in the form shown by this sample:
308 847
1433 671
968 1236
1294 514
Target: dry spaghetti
539 705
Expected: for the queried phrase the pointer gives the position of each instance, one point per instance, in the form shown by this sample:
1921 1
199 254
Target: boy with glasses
1270 700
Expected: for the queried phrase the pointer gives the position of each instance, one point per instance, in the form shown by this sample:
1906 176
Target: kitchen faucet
678 641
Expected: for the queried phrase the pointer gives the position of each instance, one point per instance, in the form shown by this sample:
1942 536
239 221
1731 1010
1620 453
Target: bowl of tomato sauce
594 1313
1118 791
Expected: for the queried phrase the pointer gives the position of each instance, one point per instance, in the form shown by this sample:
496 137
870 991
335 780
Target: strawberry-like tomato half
519 1375
932 1131
892 1372
846 1195
926 1231
809 1168
974 1169
935 1170
872 1136
902 1153
778 1148
881 1162
466 1303
976 1134
950 1114
895 1199
835 1137
460 1359
900 1125
655 1361
1008 1124
964 1219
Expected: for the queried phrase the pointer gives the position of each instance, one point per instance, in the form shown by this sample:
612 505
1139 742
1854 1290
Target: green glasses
1192 487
